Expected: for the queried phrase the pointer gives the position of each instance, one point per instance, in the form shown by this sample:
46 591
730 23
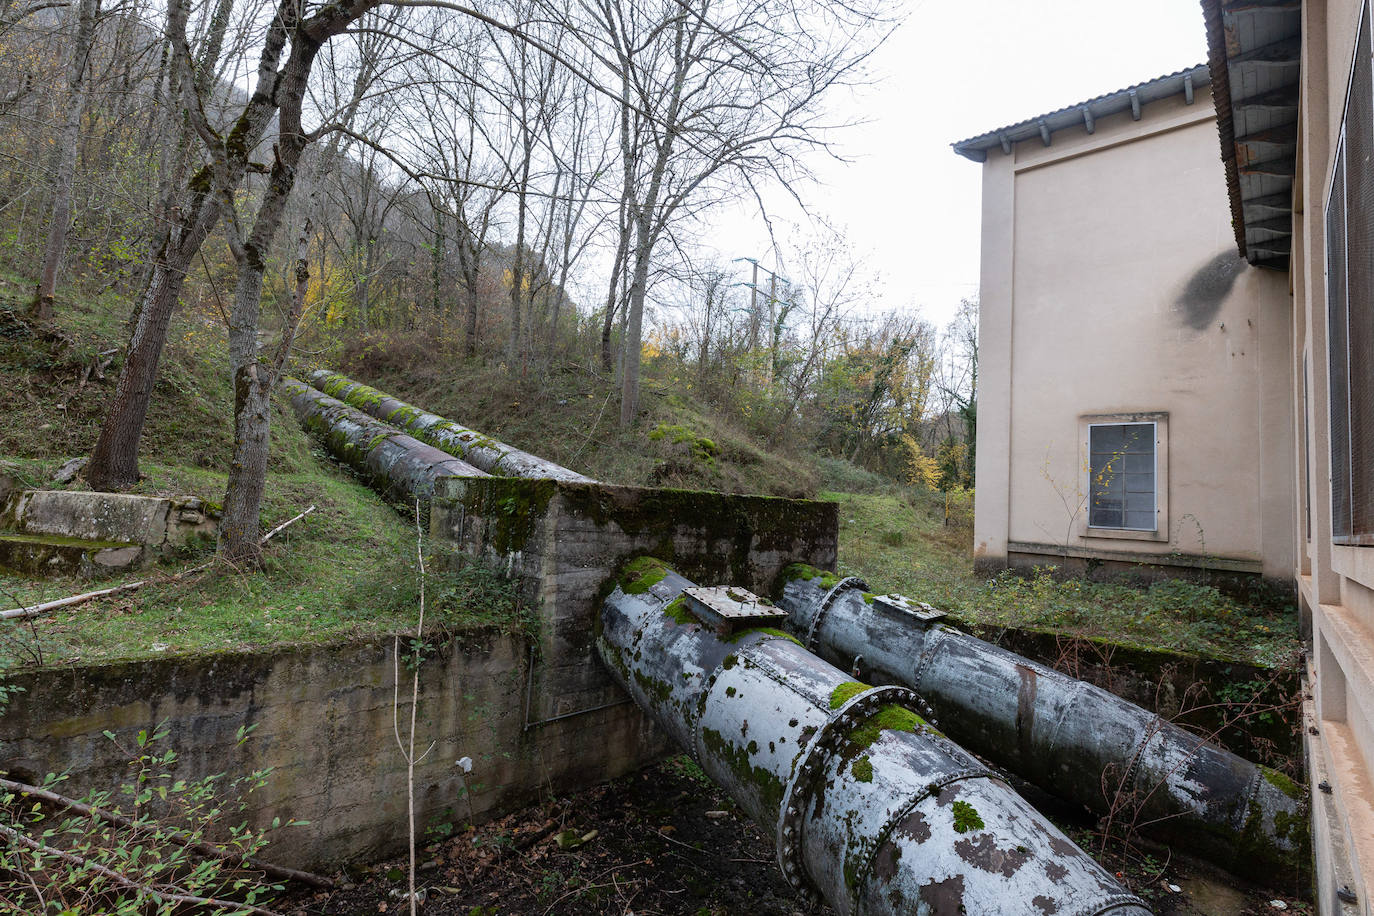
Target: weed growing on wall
158 844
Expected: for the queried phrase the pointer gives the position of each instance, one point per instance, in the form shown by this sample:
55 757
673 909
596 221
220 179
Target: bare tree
85 15
291 44
710 94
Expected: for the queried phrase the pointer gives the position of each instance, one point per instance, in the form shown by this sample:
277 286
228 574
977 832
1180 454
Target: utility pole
754 307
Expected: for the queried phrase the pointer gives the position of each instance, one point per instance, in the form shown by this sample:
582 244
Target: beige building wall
1111 288
1335 583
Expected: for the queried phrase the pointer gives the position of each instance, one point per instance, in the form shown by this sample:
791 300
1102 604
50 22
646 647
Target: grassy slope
346 570
572 417
902 545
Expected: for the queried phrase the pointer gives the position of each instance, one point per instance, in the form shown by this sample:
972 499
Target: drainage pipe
397 465
478 450
871 807
1066 736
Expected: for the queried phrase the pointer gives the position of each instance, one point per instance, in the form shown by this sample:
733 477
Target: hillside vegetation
349 570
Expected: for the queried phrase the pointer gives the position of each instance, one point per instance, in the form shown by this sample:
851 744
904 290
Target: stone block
110 517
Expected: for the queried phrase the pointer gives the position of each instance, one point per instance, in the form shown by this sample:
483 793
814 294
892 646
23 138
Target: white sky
955 69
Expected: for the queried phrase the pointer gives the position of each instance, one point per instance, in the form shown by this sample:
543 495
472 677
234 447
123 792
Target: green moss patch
677 610
770 631
641 574
769 787
966 817
1282 783
845 692
828 580
862 768
889 718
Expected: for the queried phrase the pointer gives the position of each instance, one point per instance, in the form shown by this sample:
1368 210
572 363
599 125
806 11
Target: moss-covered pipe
1066 736
871 807
397 465
494 457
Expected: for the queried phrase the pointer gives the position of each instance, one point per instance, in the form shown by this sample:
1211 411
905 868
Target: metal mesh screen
1359 265
1336 342
1122 478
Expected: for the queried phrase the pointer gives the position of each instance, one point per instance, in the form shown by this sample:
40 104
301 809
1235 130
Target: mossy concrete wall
534 719
322 719
567 541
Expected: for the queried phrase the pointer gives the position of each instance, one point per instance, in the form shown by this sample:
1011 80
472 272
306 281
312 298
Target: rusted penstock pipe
871 807
471 446
396 464
1066 736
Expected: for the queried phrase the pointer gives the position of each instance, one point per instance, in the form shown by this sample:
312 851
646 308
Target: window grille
1122 476
1350 306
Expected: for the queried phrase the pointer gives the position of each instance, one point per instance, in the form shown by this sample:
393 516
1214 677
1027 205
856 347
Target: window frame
1160 421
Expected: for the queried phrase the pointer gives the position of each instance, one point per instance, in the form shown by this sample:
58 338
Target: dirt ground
666 842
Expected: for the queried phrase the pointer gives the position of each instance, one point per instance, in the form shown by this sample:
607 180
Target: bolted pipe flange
900 813
827 600
837 728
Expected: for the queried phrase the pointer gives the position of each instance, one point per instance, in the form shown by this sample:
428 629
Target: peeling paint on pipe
469 445
1066 736
872 808
396 464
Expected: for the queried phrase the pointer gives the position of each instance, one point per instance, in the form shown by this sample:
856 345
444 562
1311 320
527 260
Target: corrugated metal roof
1254 48
1084 114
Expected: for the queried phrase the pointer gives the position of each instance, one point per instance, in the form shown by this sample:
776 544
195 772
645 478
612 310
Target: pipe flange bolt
828 599
835 730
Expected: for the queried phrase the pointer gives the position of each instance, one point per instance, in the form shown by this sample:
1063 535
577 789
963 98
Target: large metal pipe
1073 739
471 446
396 464
871 807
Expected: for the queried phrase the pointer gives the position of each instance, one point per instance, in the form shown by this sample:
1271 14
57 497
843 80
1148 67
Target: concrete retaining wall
566 541
323 718
534 720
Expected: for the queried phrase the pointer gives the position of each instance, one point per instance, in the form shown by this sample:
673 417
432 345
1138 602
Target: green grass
571 416
347 571
901 544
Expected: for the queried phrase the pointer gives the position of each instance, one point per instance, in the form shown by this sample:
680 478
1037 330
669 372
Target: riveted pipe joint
872 808
1066 736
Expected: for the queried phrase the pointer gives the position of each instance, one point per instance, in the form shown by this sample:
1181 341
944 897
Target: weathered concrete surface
323 718
1072 739
91 516
566 541
40 557
873 809
51 532
398 466
481 451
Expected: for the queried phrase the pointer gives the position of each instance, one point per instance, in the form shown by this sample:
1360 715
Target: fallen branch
205 849
283 526
39 609
169 893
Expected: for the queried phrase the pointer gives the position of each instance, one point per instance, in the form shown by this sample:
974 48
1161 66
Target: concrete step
41 556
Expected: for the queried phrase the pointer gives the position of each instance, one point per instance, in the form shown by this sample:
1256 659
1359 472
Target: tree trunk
470 331
114 462
437 265
68 141
634 325
252 418
613 299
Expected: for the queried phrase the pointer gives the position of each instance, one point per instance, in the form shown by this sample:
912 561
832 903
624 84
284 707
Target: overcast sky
956 69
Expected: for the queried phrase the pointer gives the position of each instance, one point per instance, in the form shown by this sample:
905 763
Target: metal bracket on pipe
838 727
844 584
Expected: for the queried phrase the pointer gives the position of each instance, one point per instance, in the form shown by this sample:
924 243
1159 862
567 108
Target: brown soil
666 842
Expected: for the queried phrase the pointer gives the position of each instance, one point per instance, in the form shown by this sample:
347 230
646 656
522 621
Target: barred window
1122 476
1350 297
